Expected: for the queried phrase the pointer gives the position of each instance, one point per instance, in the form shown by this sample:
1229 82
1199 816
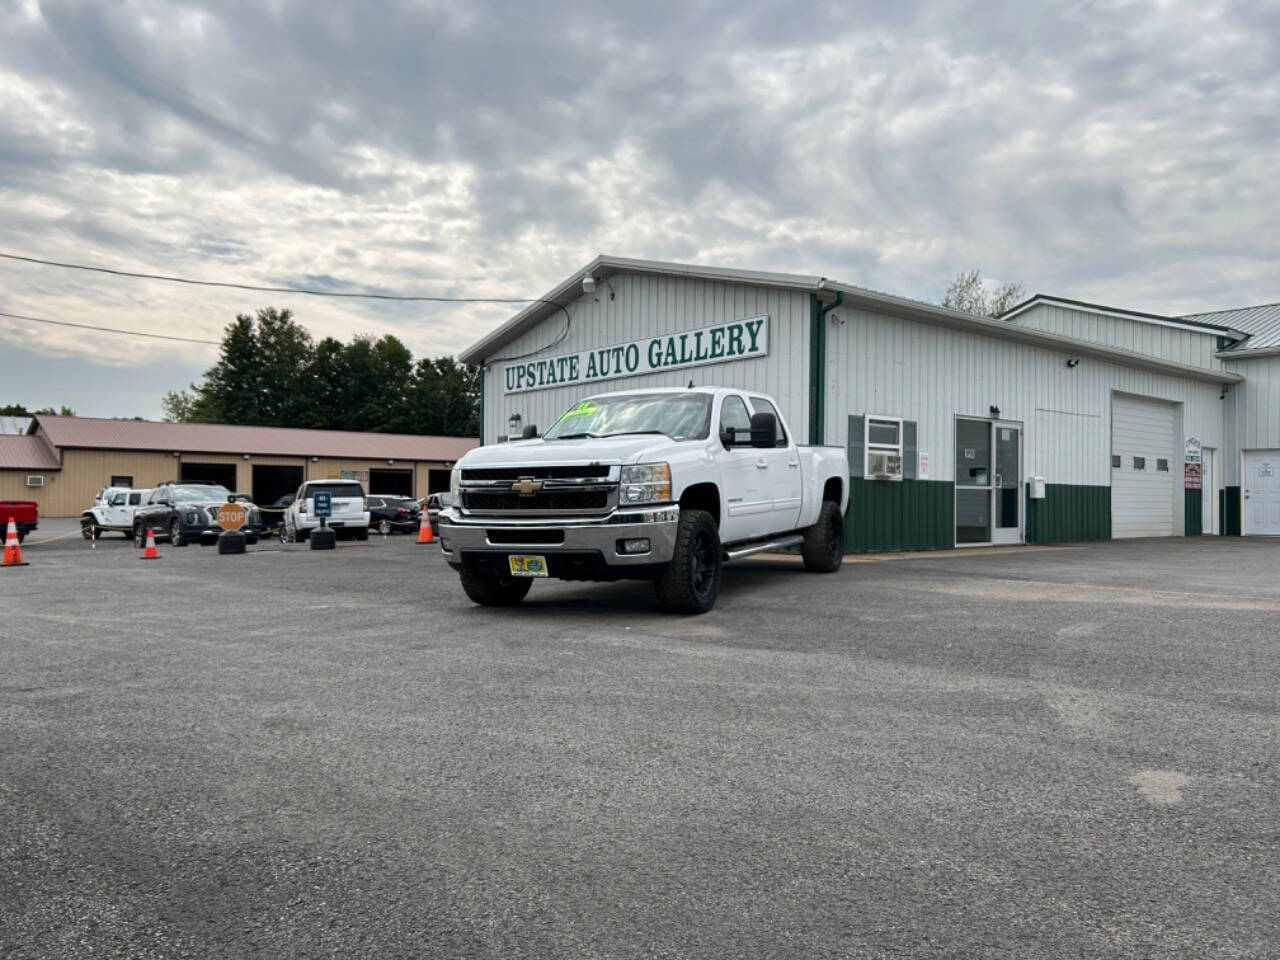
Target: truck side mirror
764 429
530 432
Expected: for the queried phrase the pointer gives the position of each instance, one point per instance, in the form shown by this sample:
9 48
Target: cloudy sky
1113 151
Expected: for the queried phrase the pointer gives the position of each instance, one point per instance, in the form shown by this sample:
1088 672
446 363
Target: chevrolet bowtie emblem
526 486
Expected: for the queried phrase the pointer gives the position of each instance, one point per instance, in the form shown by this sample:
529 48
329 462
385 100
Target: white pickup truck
664 485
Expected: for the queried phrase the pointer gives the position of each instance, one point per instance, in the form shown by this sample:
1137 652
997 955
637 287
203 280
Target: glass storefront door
988 481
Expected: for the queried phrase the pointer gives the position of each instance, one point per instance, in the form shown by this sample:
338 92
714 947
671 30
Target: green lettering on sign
737 339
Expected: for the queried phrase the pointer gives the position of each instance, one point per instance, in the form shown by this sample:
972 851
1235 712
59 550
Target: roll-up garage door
1143 465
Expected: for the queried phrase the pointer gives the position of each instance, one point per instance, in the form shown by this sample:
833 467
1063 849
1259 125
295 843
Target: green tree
969 293
270 372
58 412
14 410
178 406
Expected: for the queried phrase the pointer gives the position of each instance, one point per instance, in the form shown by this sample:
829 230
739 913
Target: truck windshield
681 416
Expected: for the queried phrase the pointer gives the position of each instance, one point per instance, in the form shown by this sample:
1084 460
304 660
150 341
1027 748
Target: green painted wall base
891 515
1229 511
1193 513
1069 513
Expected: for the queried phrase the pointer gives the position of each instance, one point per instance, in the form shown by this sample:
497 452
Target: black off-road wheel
139 537
87 529
823 548
691 582
491 591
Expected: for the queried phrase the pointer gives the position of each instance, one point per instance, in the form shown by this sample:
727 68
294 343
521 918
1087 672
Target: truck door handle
762 464
793 463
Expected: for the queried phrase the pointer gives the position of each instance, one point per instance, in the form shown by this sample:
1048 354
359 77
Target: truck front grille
593 471
569 500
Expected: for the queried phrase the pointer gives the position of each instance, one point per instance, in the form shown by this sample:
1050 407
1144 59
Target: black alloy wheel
823 547
175 533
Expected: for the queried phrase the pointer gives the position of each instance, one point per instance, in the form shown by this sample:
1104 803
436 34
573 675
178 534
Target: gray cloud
1116 151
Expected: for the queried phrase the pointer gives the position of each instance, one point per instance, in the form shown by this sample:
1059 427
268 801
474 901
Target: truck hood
620 449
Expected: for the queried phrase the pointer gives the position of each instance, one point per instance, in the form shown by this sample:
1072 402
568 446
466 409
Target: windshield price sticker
736 340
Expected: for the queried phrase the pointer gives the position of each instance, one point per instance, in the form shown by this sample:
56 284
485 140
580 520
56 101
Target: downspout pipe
818 365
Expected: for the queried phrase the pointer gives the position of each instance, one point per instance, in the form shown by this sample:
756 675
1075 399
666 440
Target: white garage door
1143 462
1262 493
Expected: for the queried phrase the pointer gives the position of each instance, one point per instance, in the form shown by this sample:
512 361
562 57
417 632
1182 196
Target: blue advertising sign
323 503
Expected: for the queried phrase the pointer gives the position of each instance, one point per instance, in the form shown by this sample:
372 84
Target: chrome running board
781 543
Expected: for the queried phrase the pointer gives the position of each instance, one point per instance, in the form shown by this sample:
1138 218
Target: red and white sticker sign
1191 476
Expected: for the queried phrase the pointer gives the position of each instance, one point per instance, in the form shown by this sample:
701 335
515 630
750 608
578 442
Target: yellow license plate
527 565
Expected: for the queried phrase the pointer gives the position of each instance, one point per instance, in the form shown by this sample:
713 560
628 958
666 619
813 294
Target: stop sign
232 516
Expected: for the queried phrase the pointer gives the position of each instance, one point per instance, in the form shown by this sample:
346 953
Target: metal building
1059 421
64 461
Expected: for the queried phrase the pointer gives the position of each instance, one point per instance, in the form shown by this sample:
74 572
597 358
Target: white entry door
1144 453
1262 493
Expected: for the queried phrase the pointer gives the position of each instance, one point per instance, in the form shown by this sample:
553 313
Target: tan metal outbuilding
62 462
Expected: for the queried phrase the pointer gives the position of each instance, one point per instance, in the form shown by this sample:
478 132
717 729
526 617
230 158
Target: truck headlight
646 483
455 483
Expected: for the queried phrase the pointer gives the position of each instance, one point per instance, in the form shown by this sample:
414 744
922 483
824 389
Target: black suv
187 512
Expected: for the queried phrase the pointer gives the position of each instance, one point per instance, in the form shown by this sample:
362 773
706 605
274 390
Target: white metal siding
903 368
1142 500
644 306
1252 412
1152 339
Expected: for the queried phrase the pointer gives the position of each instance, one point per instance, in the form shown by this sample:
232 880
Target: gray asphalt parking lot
1057 752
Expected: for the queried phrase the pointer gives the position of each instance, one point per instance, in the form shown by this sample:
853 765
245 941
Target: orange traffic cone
424 531
12 549
151 553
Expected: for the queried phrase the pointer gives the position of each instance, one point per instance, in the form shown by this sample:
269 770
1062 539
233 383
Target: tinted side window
733 415
761 405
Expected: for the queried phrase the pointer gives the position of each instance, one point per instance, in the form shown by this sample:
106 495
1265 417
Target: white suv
350 510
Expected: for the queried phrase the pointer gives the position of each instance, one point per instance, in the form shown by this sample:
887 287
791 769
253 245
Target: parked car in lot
402 514
25 514
188 512
113 509
435 503
350 514
664 485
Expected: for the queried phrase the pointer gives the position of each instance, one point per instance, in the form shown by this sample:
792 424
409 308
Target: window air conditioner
884 466
35 480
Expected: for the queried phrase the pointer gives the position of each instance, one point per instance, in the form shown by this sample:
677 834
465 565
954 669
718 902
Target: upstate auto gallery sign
734 340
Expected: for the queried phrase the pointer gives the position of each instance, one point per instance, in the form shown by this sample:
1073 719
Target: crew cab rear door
782 479
745 497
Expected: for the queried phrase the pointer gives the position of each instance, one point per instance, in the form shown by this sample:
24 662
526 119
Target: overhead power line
305 291
86 326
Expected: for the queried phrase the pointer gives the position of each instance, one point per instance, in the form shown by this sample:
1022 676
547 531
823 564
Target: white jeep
112 509
647 484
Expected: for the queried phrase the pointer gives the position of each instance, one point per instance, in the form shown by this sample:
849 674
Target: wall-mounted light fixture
315 459
513 424
995 412
1073 362
176 453
246 456
389 461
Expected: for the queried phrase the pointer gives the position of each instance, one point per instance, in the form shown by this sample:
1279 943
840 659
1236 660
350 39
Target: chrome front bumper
548 536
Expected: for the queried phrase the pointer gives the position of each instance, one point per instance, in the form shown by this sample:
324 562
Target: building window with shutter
882 448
